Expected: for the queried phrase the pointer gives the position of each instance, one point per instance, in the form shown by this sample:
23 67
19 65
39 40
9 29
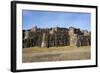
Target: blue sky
48 19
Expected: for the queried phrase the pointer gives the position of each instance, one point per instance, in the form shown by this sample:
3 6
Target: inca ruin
55 37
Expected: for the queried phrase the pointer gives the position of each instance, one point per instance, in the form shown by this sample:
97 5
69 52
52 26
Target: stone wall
55 37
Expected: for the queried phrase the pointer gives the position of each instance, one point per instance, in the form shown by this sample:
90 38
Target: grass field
38 54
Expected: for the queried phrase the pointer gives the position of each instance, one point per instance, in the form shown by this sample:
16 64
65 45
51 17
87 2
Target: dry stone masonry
55 37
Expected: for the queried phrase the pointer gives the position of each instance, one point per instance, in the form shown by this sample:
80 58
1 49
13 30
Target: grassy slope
36 54
50 49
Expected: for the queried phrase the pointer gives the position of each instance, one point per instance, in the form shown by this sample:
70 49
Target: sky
49 19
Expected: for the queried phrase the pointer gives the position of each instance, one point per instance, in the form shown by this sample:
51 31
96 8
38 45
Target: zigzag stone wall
54 37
